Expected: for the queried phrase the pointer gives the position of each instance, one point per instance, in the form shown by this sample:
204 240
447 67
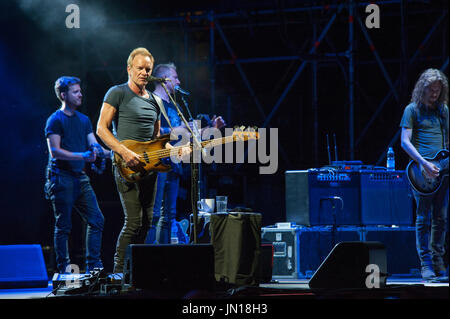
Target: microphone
152 78
179 89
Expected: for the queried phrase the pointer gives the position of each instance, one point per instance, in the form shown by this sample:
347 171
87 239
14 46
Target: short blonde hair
139 51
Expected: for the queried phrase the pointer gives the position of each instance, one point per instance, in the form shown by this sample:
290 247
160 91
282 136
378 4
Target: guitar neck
217 141
205 144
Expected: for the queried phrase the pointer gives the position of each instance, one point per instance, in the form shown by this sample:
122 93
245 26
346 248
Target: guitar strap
160 103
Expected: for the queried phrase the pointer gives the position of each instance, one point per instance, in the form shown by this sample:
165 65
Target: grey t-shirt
427 133
135 116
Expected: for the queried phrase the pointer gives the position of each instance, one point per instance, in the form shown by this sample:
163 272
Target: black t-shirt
136 116
73 131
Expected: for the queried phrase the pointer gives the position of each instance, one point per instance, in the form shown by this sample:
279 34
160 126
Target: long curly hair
426 78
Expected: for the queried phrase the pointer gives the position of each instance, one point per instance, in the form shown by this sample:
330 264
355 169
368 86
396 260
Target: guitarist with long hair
424 135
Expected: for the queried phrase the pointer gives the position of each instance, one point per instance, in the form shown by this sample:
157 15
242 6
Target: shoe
440 271
427 273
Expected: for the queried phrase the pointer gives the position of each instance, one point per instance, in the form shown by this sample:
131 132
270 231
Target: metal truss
217 30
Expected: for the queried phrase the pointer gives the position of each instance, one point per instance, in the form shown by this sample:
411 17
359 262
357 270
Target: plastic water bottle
174 232
390 162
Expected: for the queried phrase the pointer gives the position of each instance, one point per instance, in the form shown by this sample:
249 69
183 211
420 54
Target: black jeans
137 202
66 192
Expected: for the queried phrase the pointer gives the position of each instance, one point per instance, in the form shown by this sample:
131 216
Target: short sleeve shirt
136 116
427 131
73 131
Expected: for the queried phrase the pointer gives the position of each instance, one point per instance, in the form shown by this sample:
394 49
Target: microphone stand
196 168
197 146
195 172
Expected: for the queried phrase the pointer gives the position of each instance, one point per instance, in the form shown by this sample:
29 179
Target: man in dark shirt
425 132
69 136
134 114
165 208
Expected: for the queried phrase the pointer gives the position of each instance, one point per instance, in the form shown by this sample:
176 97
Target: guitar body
423 184
148 163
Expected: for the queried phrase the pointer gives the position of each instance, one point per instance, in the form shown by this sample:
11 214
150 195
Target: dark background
267 41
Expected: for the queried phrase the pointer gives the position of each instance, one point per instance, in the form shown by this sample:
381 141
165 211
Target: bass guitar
420 181
153 152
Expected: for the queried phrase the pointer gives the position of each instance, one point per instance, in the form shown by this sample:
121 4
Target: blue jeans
431 225
66 192
165 208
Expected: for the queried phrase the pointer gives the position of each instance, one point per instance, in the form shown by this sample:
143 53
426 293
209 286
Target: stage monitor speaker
22 266
171 269
350 264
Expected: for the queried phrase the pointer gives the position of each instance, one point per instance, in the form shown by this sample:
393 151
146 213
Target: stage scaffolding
325 17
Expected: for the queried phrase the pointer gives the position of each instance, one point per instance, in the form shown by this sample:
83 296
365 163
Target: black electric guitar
420 181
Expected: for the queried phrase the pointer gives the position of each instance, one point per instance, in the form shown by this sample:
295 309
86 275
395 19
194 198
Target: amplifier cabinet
299 251
319 197
334 197
386 198
400 243
323 197
297 197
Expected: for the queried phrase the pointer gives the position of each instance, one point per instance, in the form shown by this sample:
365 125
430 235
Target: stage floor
396 288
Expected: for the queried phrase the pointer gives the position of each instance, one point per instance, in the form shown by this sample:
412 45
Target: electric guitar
419 180
153 152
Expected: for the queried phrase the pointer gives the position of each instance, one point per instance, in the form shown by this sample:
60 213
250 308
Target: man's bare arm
107 114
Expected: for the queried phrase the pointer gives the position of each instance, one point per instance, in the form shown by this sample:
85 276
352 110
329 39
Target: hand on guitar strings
430 170
131 158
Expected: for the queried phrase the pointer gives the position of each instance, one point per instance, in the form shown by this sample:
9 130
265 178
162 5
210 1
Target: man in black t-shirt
134 114
69 137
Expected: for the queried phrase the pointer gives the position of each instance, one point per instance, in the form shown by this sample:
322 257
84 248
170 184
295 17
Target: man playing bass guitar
134 114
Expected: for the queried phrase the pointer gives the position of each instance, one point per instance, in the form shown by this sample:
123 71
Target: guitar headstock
241 133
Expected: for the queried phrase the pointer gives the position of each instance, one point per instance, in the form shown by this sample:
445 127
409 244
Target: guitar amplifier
386 198
323 197
400 242
348 197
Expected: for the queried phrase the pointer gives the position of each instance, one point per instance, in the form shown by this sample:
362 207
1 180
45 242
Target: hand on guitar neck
146 157
183 151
